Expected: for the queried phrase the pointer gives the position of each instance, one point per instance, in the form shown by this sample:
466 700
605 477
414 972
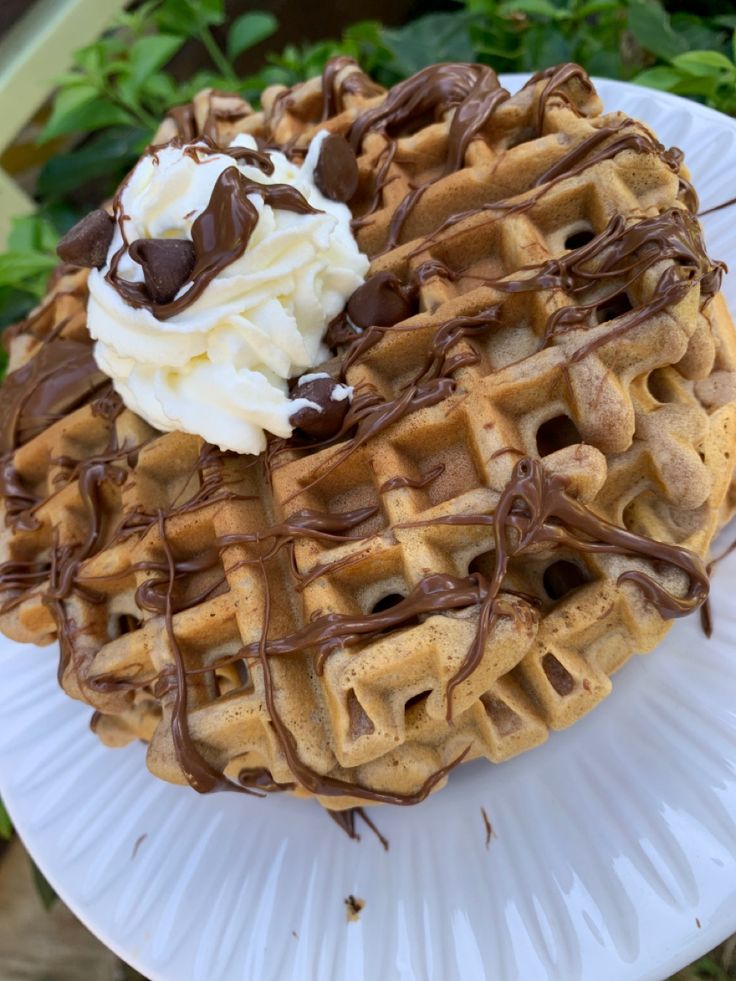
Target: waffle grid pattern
643 427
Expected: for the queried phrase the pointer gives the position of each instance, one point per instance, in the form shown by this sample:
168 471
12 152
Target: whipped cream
219 367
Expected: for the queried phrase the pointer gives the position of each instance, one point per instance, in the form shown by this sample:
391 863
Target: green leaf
81 109
599 6
14 306
704 63
650 25
45 892
248 30
190 16
6 826
89 58
17 267
106 155
432 38
699 34
542 8
32 232
152 52
659 78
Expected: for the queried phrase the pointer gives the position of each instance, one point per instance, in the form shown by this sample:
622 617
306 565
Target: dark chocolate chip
167 265
325 422
336 172
381 301
86 244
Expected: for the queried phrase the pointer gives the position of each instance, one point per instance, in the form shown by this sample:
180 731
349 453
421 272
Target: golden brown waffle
640 421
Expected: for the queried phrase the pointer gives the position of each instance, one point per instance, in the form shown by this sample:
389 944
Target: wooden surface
40 945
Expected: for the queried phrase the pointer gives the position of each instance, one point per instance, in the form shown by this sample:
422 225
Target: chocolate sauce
61 376
534 508
717 207
336 171
184 121
347 820
220 235
223 113
395 483
18 500
382 301
204 146
472 91
355 83
556 77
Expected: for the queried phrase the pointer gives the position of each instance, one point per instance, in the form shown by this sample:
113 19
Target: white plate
614 854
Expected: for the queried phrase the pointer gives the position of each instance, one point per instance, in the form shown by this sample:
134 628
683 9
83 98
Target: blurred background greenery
158 53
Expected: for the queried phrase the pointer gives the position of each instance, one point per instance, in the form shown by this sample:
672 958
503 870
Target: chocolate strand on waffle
542 324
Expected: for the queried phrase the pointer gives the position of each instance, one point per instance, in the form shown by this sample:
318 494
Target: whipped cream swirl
219 367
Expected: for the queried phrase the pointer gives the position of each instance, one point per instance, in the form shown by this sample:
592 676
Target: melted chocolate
395 483
61 376
86 244
381 301
19 501
355 83
534 509
556 78
336 171
220 235
325 421
347 820
472 91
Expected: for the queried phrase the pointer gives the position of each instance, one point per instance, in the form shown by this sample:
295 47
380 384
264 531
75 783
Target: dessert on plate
370 432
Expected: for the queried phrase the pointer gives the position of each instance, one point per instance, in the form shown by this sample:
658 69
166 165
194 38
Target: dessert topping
225 268
381 301
86 244
324 413
167 265
336 172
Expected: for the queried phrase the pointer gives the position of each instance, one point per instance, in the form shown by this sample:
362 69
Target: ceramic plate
614 846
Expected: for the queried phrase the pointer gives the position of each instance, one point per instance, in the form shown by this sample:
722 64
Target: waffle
196 567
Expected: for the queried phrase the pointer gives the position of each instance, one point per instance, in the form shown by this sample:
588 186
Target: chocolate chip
167 265
86 244
336 173
381 301
325 422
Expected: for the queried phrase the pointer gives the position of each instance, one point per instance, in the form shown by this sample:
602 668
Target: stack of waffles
538 455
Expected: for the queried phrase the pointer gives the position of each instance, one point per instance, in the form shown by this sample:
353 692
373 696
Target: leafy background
108 105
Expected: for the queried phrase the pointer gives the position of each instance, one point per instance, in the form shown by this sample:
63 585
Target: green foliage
706 75
30 257
45 891
6 827
249 30
120 86
24 271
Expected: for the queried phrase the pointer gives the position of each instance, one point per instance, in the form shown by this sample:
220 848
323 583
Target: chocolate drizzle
555 78
355 82
61 376
347 820
534 509
472 91
220 235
